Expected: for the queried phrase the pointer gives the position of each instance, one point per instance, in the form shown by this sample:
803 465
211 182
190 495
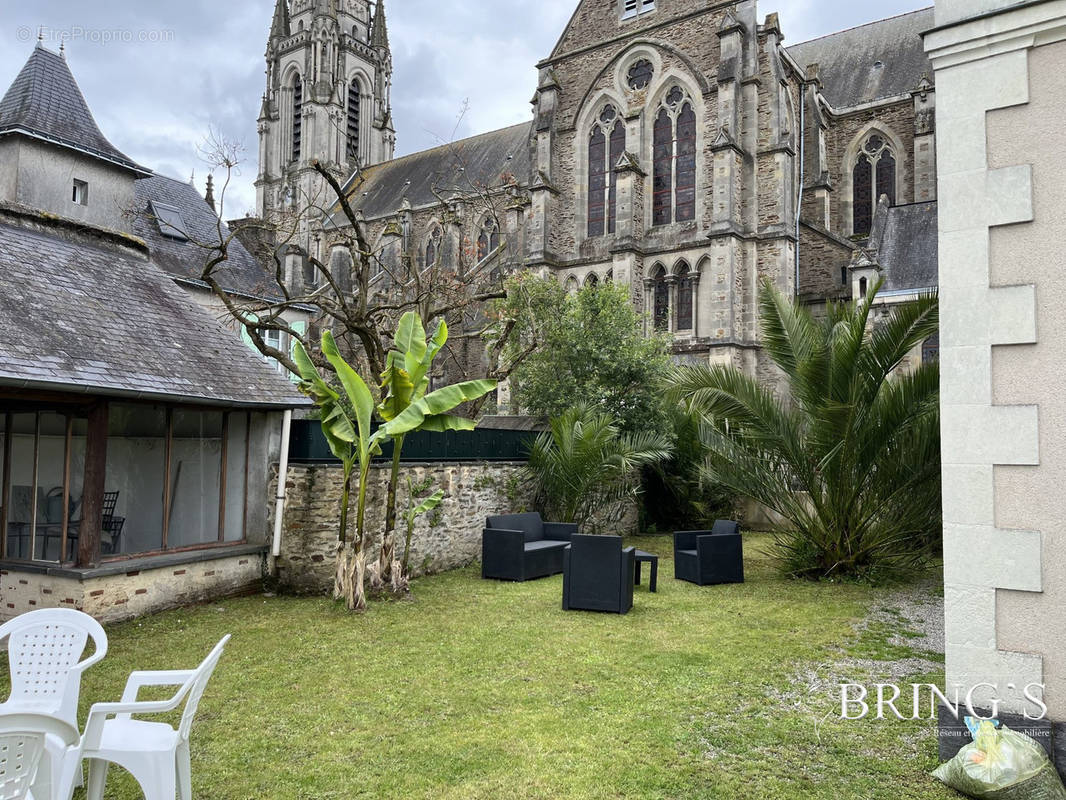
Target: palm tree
849 455
584 465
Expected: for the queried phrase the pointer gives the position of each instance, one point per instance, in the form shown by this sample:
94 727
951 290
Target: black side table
652 559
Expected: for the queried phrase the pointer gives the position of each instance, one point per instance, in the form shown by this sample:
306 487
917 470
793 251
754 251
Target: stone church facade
676 146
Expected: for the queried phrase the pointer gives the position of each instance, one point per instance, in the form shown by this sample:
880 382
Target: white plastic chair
155 753
43 652
23 739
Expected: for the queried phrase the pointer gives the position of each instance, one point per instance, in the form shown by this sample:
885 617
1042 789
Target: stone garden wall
446 538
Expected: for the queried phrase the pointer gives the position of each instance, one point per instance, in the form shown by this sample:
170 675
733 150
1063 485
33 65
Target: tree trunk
388 539
405 566
350 582
342 536
351 577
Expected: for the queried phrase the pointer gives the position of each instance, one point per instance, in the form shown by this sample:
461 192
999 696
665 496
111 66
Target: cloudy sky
158 76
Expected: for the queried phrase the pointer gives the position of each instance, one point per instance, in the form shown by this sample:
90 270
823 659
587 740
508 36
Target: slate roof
45 102
242 274
848 60
79 315
459 167
908 248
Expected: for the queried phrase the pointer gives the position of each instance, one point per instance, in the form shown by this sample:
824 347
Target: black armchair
598 574
710 557
520 547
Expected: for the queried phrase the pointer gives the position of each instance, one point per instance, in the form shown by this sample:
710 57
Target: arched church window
607 143
674 160
571 285
488 240
640 74
592 281
684 298
862 287
661 301
354 101
433 247
609 277
297 117
873 175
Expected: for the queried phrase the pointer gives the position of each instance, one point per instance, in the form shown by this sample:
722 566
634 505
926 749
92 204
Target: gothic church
675 146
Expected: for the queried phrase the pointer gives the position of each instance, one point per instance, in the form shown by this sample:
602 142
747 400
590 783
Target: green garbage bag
1001 764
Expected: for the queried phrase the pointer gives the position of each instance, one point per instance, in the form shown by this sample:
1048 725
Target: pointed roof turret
379 34
44 102
280 28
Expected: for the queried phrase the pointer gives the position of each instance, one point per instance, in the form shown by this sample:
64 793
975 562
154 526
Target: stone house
136 432
676 146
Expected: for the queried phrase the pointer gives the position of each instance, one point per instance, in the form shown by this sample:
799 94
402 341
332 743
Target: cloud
159 76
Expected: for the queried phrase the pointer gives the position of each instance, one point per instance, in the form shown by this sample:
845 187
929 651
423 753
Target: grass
482 689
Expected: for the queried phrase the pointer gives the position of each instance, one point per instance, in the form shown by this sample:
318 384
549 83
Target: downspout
799 200
283 471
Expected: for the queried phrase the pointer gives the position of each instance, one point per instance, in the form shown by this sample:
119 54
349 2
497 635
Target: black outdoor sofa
598 574
710 557
520 547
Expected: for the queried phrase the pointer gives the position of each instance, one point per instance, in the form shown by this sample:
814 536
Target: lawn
481 689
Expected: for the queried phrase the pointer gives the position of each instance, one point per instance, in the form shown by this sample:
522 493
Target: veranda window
172 478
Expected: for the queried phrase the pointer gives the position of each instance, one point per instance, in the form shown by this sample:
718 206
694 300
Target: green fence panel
308 445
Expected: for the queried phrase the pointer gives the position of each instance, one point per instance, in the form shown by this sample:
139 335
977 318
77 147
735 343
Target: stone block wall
115 594
446 538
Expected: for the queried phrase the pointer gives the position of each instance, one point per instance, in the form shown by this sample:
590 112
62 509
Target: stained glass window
663 163
886 176
640 74
686 164
607 143
662 303
488 240
684 299
862 182
433 248
874 175
674 160
597 180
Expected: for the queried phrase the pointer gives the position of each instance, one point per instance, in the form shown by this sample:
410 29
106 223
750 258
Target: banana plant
346 424
412 513
408 406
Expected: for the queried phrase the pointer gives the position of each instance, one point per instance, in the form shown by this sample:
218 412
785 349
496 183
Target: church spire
280 28
379 35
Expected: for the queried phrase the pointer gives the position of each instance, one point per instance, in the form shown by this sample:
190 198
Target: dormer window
633 8
170 221
80 193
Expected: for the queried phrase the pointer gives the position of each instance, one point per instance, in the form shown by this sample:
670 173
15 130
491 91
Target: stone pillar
671 313
924 142
538 244
649 306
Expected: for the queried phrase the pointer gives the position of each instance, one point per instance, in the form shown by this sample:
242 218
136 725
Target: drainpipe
799 200
283 470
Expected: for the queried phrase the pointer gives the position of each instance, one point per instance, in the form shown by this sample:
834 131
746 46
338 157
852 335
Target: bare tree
362 298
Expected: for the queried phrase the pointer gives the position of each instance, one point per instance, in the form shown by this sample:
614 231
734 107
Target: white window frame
80 193
273 338
634 8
